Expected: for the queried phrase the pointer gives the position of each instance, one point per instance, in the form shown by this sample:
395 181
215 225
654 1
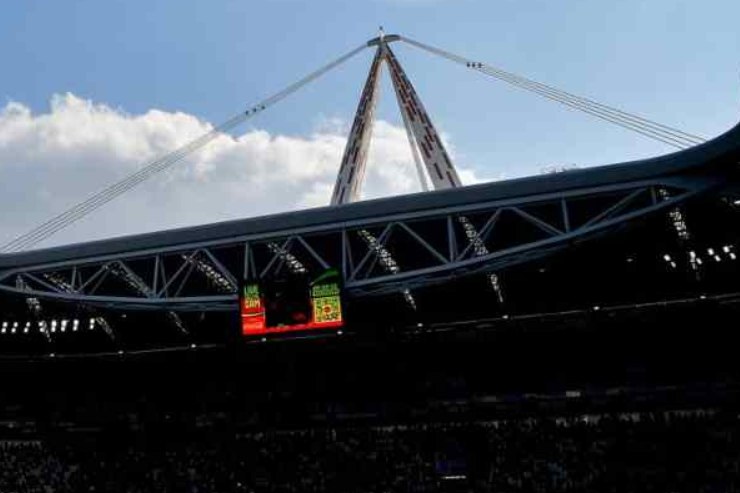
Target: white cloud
53 160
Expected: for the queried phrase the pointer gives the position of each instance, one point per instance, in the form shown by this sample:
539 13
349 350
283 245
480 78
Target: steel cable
113 191
646 127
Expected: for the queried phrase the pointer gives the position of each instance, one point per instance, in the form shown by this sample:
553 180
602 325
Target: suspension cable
669 135
625 122
162 163
678 142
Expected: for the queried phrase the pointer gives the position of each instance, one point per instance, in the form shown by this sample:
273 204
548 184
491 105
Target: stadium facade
619 237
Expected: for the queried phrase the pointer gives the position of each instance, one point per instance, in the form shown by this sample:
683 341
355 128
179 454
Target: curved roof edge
701 155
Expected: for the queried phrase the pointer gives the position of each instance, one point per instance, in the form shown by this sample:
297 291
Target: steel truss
428 247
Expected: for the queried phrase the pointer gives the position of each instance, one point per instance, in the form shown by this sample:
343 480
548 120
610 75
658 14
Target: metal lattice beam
427 242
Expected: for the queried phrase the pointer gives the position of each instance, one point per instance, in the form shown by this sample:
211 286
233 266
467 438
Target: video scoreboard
290 304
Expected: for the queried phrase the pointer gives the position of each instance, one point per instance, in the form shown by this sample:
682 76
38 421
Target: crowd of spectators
696 451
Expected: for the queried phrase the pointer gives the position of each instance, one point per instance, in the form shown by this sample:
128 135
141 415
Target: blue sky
673 61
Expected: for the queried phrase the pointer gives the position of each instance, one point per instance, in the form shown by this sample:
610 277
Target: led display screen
291 304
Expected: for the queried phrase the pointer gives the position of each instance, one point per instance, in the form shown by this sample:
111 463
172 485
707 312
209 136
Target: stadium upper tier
720 154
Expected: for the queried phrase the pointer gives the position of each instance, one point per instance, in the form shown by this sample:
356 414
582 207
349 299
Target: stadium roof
701 156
